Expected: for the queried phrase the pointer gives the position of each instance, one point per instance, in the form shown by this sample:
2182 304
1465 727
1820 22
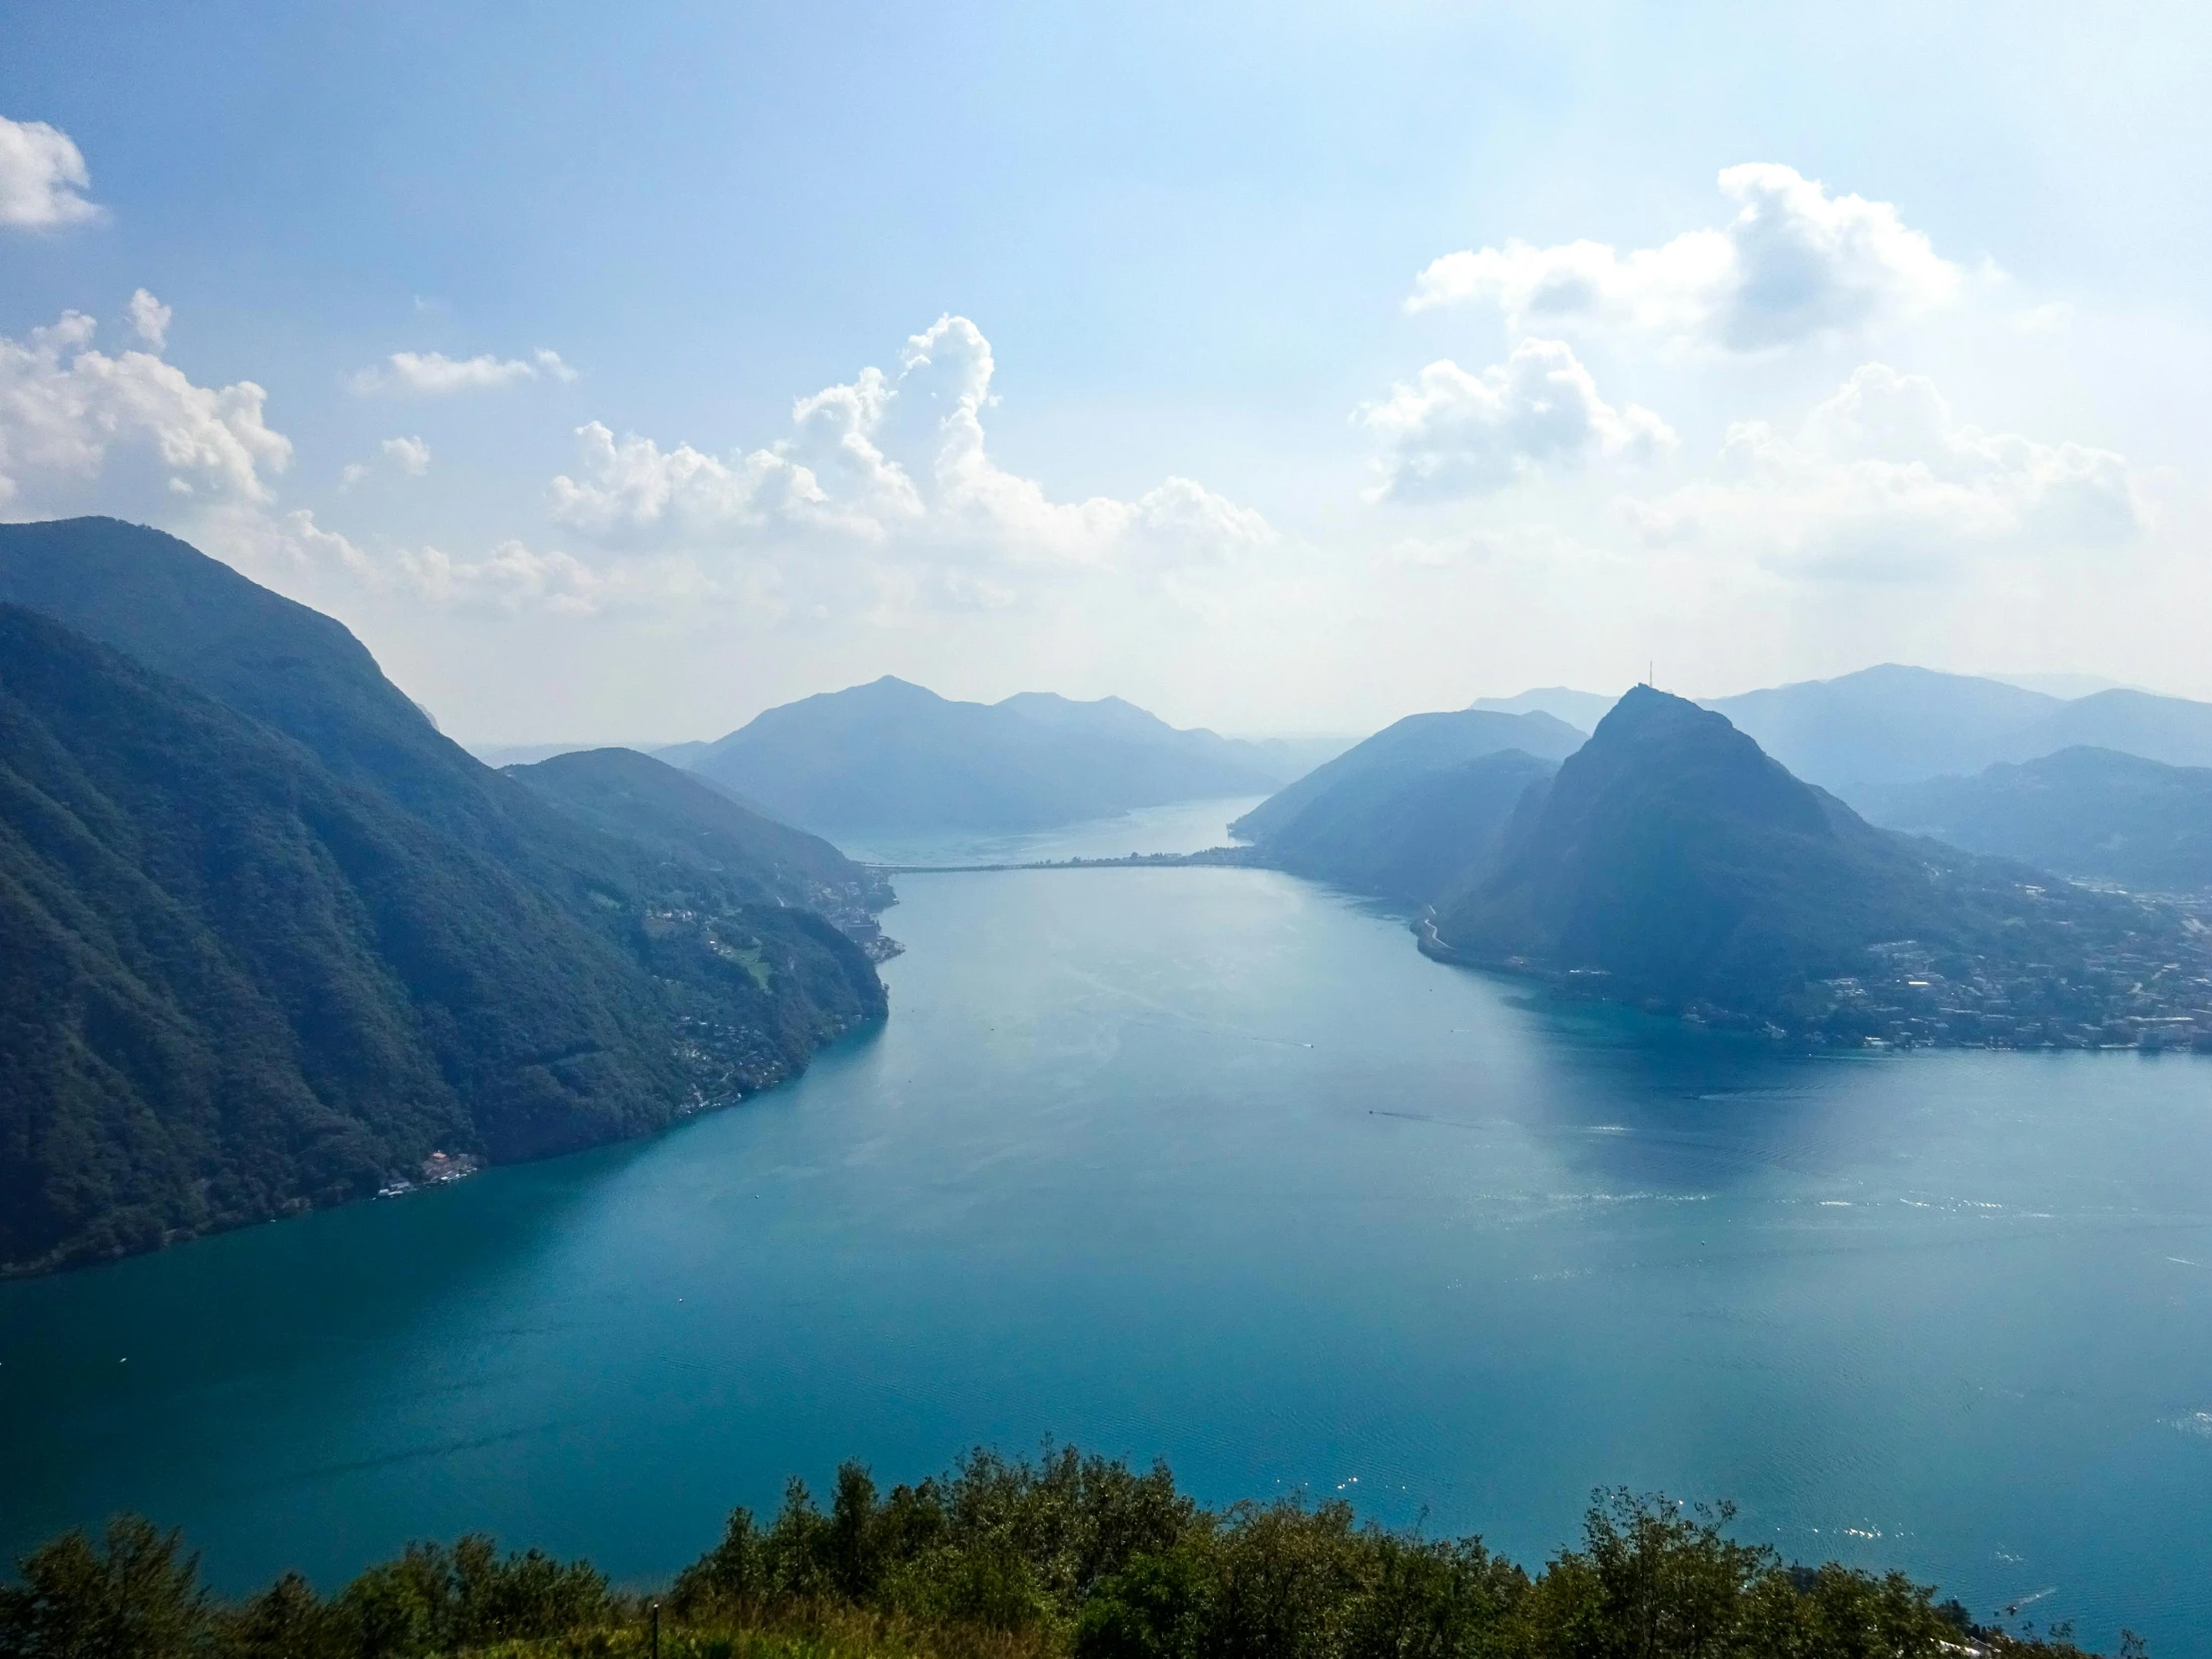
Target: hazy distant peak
894 756
1895 680
1579 709
1106 714
2066 686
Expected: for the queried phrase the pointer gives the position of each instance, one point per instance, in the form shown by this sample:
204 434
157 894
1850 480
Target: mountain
228 840
1579 709
1411 837
2082 812
677 817
1886 726
894 756
505 755
1671 861
1399 753
2172 730
1868 732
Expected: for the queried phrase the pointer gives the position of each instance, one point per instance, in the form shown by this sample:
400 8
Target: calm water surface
1210 1164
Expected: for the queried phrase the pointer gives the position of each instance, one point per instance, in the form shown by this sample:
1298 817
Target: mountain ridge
892 754
1404 748
392 922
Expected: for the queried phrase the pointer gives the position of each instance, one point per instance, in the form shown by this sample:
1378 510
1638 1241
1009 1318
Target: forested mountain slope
678 819
271 867
2082 812
1404 750
1670 861
1414 836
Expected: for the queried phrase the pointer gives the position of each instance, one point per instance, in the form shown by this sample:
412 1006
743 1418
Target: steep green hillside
677 818
2080 812
1671 860
1404 750
452 962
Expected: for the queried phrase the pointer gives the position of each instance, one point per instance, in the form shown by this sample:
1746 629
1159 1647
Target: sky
616 373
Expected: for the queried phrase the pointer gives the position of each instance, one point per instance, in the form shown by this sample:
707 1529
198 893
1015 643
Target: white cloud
410 455
1451 434
149 318
127 432
1882 479
898 464
434 374
1795 262
41 173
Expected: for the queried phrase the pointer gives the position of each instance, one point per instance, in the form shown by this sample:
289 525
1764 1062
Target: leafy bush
1060 1557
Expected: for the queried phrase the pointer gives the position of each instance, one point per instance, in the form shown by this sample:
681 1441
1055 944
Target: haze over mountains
889 754
1861 734
271 940
1891 725
2085 812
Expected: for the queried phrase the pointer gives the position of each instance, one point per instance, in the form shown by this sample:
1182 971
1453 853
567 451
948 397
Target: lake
1212 1165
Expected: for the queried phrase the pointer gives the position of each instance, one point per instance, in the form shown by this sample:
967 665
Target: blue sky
1301 366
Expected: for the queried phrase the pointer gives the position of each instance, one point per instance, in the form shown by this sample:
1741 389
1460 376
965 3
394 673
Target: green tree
134 1594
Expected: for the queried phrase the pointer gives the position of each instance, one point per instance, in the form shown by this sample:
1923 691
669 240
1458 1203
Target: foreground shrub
1061 1557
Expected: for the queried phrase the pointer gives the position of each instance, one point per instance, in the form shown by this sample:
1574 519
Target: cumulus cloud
1882 479
410 455
41 175
896 462
1795 262
1451 434
128 433
434 374
149 318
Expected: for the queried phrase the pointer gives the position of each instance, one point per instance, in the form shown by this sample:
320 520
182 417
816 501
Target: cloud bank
1796 262
1451 434
128 433
42 175
1881 478
891 464
433 374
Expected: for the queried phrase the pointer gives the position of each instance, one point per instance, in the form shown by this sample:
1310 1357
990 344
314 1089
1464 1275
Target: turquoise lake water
1213 1165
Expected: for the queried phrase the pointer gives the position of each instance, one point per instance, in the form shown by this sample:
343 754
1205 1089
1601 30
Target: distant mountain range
270 940
1865 733
1579 709
1888 726
891 756
2088 813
